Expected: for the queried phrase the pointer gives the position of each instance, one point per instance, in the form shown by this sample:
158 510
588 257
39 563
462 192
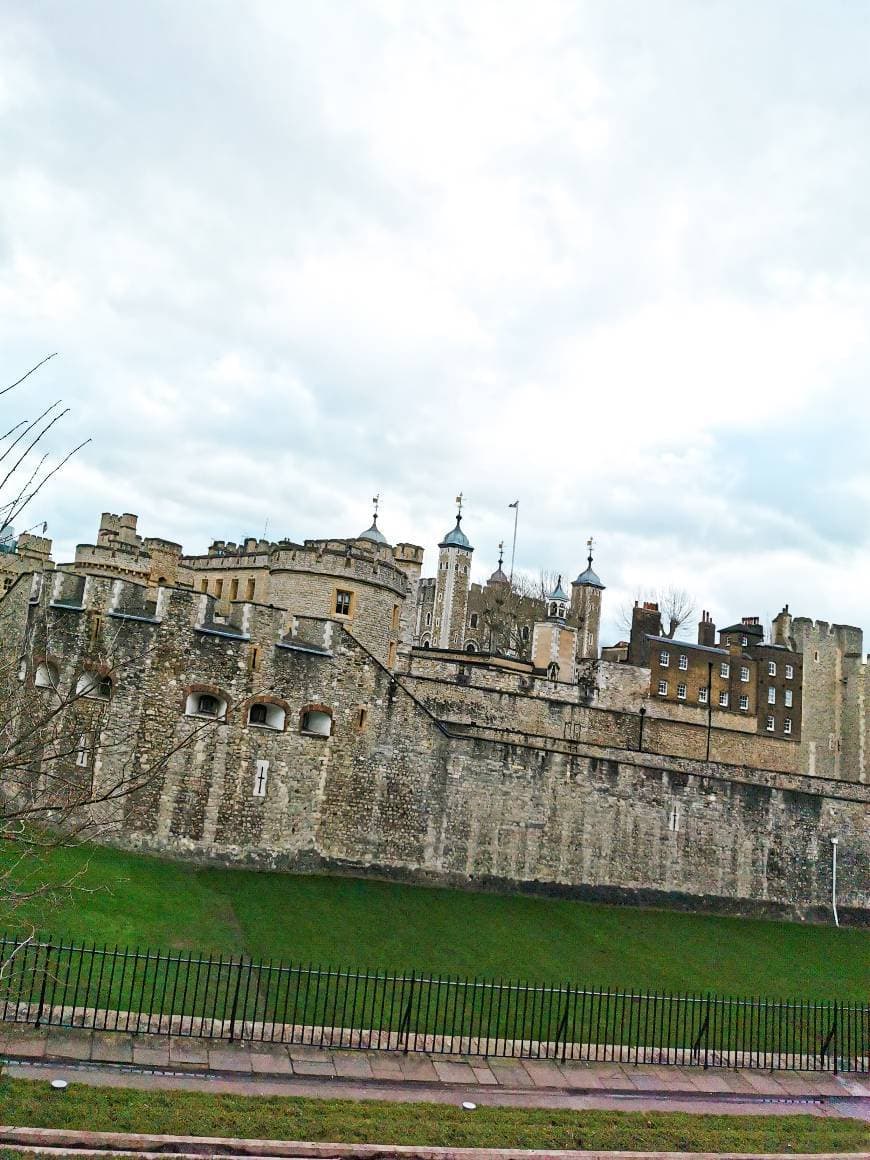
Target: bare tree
69 760
676 606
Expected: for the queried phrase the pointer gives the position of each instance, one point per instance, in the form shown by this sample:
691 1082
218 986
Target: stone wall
407 786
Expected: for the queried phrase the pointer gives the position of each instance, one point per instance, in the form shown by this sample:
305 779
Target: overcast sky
610 258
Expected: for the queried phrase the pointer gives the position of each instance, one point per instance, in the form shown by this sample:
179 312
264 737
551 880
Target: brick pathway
117 1059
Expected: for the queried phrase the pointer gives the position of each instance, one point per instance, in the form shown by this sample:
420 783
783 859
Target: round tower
586 609
451 586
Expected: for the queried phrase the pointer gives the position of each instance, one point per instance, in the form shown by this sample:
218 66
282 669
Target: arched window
471 647
46 676
93 685
428 619
316 720
266 715
426 644
525 632
553 671
205 705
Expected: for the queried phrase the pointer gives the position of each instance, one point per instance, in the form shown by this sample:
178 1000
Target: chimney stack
706 630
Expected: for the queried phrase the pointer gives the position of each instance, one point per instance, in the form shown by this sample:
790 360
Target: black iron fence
53 983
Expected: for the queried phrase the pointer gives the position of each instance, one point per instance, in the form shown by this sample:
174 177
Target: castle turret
586 608
451 590
554 643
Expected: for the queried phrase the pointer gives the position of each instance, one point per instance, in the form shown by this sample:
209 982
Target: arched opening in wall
161 580
92 685
425 643
471 647
266 715
46 676
316 722
553 671
205 705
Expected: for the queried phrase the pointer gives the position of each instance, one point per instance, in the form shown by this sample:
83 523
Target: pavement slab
448 1071
229 1059
352 1065
271 1061
111 1048
313 1067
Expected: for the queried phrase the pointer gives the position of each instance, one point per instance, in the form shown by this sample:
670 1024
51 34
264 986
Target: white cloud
608 258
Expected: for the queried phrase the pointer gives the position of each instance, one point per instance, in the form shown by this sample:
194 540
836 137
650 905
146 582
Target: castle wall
529 793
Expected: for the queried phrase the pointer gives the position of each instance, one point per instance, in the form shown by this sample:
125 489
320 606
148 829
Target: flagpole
516 506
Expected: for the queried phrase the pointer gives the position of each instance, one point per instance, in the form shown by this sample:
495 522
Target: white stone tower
451 586
586 609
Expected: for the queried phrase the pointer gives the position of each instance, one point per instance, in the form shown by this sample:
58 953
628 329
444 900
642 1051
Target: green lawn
33 1104
141 901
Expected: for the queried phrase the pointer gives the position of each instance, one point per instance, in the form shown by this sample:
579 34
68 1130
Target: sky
610 259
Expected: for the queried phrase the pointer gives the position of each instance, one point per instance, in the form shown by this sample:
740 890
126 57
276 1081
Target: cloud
609 258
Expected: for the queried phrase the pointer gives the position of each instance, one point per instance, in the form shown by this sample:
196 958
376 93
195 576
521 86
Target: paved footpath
114 1059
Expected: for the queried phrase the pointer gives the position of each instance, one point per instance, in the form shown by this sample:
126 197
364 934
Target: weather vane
376 499
459 506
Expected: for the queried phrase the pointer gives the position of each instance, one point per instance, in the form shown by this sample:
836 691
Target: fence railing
53 983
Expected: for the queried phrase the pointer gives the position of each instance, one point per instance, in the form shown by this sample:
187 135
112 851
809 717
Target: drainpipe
834 842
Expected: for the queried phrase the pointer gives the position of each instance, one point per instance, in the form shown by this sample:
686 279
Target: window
702 696
94 686
771 668
674 819
771 724
250 588
744 702
684 662
663 688
361 717
723 700
218 588
234 589
267 715
473 620
428 619
391 654
207 705
395 623
203 584
316 723
525 632
83 754
816 656
46 676
771 695
789 695
725 669
681 692
786 725
744 672
553 671
744 640
342 602
261 776
789 672
664 659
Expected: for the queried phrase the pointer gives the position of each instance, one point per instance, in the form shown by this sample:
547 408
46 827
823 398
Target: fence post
48 951
236 997
405 1023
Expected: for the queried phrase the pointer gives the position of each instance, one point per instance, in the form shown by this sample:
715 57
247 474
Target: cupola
374 535
557 602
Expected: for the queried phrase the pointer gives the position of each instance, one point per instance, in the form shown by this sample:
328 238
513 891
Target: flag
516 503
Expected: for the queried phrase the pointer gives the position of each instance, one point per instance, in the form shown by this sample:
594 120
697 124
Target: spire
456 538
588 578
498 576
374 534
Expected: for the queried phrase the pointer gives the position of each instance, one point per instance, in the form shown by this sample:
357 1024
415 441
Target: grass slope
25 1103
142 901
